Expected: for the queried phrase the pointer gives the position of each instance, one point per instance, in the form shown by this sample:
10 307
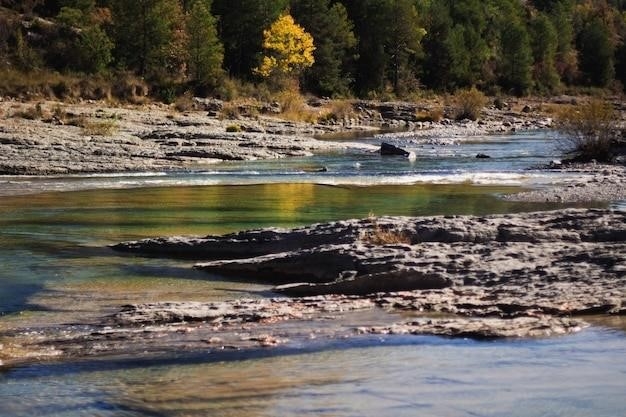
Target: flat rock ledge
517 275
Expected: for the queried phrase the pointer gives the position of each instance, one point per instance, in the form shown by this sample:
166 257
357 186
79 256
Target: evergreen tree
544 45
149 36
566 60
334 45
206 52
516 59
403 43
596 53
389 34
94 50
241 26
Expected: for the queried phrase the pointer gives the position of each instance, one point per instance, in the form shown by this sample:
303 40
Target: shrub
230 110
293 106
100 128
469 103
233 128
589 131
184 103
30 113
433 115
338 110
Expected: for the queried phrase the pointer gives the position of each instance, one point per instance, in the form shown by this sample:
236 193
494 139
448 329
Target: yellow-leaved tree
288 49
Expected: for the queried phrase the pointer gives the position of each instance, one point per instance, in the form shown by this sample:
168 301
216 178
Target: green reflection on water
110 215
53 245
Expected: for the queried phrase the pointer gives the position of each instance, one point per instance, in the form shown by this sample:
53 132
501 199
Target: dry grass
34 112
381 235
107 127
184 103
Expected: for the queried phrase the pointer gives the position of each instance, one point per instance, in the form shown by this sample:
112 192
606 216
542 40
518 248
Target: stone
388 149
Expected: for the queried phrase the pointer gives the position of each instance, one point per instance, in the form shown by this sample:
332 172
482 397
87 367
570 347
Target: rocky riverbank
525 275
53 138
595 182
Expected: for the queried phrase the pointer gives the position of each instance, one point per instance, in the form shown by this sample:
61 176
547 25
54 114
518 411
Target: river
56 268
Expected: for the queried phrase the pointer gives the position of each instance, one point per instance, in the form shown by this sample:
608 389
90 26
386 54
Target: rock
482 156
555 164
526 109
437 252
500 104
388 149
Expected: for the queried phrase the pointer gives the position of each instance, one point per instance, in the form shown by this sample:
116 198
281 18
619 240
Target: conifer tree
334 45
241 26
206 52
596 53
544 45
149 36
516 59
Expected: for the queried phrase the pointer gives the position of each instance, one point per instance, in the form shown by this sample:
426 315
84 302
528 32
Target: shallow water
55 268
579 375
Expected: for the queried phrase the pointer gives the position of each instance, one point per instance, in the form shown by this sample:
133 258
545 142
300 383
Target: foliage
390 34
469 103
288 47
384 49
589 131
242 23
335 45
596 54
544 45
516 59
206 52
148 36
94 50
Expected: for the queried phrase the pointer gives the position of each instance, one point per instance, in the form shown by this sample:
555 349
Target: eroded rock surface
522 275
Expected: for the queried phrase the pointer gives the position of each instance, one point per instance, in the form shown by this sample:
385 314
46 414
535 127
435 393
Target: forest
375 49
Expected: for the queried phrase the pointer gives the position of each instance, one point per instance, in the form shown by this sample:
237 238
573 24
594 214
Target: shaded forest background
377 49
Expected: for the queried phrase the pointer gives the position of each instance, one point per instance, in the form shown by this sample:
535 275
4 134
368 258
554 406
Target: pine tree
149 36
516 59
206 52
241 26
544 45
596 53
334 45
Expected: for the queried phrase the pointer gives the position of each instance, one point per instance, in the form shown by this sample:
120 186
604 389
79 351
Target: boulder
387 149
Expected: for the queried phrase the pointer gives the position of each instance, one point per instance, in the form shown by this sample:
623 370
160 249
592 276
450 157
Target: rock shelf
518 275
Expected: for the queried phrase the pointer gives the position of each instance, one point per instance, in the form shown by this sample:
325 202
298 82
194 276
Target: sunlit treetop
288 48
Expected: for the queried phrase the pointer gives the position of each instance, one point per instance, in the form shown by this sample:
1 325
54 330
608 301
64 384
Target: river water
55 268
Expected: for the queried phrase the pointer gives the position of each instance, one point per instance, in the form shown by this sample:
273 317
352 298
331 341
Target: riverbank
54 138
596 182
502 276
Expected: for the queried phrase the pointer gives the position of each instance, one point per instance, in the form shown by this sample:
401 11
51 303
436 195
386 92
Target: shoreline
49 138
480 277
158 139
